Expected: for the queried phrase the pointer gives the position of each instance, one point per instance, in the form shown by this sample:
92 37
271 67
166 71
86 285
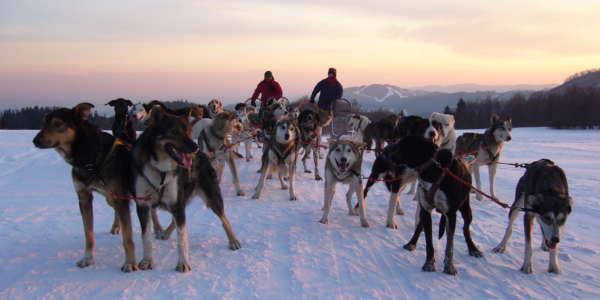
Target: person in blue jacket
331 90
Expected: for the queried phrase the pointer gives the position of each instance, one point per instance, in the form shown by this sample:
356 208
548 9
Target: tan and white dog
343 165
215 107
280 153
213 140
446 131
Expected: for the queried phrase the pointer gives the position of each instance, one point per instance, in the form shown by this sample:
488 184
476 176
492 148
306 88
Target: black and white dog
485 149
543 193
167 175
441 192
280 153
343 165
122 127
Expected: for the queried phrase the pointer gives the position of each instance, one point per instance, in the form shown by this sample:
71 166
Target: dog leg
467 216
220 168
391 216
425 217
183 261
143 212
449 258
362 209
87 215
166 234
116 226
528 220
316 160
234 174
261 182
492 175
304 158
156 223
292 174
413 188
319 132
477 180
126 233
512 217
351 191
280 174
328 200
412 243
554 267
248 146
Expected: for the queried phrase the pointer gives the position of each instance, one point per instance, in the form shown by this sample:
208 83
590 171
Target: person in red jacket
269 89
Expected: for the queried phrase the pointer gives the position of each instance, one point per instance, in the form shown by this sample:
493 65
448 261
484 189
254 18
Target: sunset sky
62 52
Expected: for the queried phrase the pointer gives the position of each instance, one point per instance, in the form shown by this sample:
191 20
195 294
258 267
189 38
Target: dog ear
82 111
128 102
155 116
111 103
509 122
494 119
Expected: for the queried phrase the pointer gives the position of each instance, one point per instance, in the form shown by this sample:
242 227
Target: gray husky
543 194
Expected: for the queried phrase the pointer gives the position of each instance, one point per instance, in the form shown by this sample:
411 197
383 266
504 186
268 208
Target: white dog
358 124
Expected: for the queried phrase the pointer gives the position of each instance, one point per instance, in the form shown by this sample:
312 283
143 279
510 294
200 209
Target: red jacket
267 90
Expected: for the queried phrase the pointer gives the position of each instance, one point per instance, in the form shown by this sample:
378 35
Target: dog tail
442 228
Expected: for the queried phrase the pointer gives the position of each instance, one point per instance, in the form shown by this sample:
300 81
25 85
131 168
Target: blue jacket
329 93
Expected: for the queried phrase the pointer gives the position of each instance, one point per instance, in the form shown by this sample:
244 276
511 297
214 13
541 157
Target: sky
61 52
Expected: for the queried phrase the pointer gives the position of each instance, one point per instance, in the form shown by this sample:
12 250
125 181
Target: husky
242 111
213 139
358 124
308 122
78 142
168 173
194 113
343 165
485 148
381 131
215 107
441 192
122 127
543 194
280 153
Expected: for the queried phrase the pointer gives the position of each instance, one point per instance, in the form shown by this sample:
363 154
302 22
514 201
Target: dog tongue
187 160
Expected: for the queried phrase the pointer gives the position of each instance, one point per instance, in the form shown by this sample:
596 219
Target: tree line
576 108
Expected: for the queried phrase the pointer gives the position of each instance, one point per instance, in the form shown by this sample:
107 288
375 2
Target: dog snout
555 240
431 134
287 136
508 138
343 159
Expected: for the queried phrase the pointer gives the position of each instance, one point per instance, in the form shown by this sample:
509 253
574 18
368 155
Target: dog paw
293 198
527 269
450 269
241 193
146 264
554 269
161 235
129 267
499 249
324 221
115 230
400 212
392 226
429 266
269 177
479 197
235 245
284 187
365 224
85 262
308 171
410 247
318 177
351 212
183 267
255 196
475 253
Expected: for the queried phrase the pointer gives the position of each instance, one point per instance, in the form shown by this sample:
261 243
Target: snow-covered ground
286 253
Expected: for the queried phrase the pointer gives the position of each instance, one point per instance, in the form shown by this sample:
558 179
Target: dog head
195 113
59 128
279 110
286 131
227 122
417 126
120 105
308 120
344 155
551 212
324 116
446 123
168 137
215 106
138 111
501 129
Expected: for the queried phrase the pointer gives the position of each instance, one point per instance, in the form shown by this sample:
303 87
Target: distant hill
419 102
584 79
